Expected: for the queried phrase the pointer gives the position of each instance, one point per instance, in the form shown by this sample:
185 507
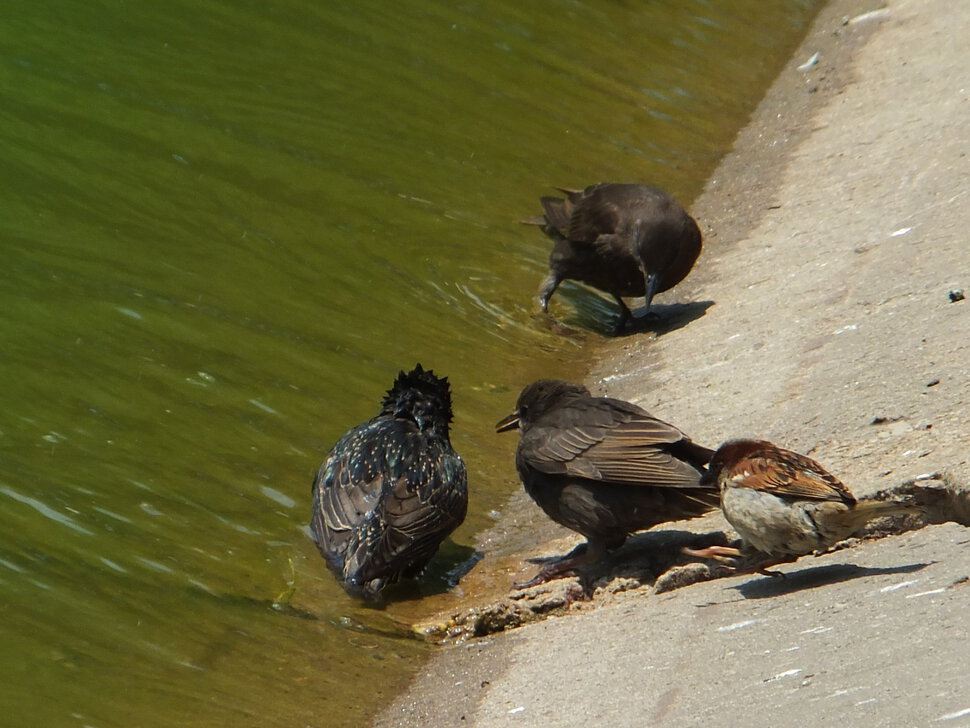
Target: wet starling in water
392 489
785 505
603 467
624 239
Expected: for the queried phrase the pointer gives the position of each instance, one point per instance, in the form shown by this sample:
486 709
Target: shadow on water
442 575
558 328
588 315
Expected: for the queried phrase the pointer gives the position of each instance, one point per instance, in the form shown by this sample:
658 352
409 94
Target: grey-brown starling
624 239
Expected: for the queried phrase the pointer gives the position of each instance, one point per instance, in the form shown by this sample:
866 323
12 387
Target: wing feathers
385 499
789 474
621 444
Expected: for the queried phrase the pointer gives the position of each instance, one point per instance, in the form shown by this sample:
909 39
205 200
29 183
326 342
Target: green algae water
226 226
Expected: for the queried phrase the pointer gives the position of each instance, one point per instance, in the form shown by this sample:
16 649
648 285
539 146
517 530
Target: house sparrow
603 467
392 489
785 505
624 239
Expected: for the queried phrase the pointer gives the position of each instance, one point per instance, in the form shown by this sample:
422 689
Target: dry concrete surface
826 318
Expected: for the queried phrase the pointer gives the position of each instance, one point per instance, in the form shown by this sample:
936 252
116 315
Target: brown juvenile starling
785 505
603 467
624 239
392 489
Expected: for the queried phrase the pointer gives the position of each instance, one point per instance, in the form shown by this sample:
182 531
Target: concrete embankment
829 322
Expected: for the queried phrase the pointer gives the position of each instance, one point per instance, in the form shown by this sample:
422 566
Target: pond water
226 226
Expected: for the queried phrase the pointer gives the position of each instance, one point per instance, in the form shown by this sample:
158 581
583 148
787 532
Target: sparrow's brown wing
786 473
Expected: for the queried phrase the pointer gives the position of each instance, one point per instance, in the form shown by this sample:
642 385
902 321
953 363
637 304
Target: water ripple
44 510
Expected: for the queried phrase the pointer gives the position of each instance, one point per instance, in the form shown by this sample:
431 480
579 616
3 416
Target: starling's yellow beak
508 423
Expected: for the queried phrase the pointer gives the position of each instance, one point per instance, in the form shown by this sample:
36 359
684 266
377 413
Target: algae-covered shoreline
833 239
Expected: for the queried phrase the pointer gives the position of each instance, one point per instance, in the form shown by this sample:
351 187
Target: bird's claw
548 572
724 554
773 574
534 581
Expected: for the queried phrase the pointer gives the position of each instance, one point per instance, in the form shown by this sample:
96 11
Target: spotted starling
392 489
624 239
603 467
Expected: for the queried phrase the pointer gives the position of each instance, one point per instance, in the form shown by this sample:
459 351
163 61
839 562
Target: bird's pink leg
724 554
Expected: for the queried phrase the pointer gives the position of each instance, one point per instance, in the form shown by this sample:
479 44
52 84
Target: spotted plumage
392 489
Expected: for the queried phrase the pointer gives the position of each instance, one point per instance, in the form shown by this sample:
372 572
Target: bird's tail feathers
709 498
558 212
868 510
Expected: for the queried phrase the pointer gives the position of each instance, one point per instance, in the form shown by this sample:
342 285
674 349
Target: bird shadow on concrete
645 557
766 587
670 317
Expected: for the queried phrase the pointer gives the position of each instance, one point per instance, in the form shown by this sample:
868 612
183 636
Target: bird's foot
769 572
730 556
724 554
626 316
565 566
547 573
580 550
763 569
628 320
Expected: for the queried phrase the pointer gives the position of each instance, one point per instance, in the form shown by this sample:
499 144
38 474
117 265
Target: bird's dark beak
508 423
708 477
